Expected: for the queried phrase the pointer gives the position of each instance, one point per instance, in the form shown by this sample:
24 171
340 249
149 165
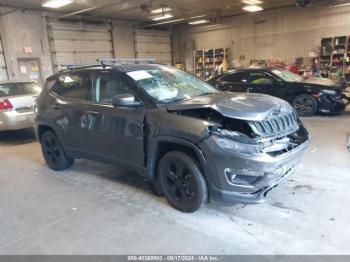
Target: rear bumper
256 174
12 120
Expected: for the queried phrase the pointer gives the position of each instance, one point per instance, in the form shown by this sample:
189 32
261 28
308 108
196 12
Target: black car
306 96
194 143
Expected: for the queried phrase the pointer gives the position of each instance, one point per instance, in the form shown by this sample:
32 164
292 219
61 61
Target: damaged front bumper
333 105
238 177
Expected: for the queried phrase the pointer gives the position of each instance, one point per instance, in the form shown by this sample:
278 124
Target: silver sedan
17 104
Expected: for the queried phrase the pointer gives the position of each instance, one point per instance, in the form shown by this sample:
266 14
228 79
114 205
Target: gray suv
194 143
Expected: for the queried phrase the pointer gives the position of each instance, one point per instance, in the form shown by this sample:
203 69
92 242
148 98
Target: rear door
234 82
114 132
264 83
70 95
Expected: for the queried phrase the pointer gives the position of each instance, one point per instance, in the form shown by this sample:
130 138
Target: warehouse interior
99 209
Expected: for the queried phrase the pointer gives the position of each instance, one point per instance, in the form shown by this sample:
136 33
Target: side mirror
125 100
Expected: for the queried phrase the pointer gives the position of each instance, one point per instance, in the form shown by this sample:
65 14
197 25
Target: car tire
305 105
182 182
53 152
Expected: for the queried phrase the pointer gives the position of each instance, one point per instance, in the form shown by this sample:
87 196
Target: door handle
93 112
56 106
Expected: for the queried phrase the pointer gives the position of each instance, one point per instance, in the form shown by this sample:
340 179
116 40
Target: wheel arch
309 92
42 128
164 144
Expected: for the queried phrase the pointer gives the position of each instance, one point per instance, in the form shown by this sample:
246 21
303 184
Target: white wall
282 34
25 29
29 29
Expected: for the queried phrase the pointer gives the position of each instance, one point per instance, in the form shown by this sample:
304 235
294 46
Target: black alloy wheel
53 152
305 105
182 182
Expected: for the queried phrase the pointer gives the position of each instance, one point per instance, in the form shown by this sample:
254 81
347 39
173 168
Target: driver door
115 133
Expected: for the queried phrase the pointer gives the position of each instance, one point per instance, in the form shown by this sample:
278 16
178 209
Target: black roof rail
107 62
112 62
72 66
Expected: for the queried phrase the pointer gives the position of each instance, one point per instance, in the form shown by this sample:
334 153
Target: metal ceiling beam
15 9
78 12
175 21
110 12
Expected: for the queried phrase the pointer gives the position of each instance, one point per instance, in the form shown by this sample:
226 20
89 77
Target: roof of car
269 69
134 67
15 82
253 69
118 67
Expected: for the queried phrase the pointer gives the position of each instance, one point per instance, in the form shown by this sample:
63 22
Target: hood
322 82
244 106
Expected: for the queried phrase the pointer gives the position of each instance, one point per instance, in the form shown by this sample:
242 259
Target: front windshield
166 84
287 76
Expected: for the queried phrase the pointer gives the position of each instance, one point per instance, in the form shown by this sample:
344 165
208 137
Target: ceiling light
161 10
211 26
252 8
252 2
168 22
56 3
338 3
198 22
161 17
198 16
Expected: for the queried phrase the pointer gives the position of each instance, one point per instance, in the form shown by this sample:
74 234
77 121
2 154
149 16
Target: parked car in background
307 96
17 105
195 143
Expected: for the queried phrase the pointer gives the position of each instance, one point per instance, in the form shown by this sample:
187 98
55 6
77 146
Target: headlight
236 146
329 92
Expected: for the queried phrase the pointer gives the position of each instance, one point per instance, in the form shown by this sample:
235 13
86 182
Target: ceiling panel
139 10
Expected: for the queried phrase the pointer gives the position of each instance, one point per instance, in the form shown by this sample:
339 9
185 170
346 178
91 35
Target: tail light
5 105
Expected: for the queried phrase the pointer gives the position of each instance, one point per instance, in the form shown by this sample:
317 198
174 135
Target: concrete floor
99 209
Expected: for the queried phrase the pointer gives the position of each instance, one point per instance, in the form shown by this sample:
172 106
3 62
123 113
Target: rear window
15 89
76 86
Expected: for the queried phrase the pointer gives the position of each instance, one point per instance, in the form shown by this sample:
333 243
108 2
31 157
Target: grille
274 126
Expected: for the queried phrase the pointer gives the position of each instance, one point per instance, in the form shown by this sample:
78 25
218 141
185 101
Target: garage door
3 69
79 43
153 44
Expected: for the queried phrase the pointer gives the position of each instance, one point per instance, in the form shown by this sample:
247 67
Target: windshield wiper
168 101
206 93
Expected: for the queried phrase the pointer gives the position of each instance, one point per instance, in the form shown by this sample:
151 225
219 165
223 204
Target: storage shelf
206 62
334 55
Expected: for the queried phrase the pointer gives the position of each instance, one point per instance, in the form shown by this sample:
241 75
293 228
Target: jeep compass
195 143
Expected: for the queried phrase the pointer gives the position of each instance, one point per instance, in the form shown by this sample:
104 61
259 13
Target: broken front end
249 158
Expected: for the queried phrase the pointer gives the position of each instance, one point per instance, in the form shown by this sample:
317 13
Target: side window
106 86
75 86
260 78
239 77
